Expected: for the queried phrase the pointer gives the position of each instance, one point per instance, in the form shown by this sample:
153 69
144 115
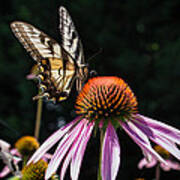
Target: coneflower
107 103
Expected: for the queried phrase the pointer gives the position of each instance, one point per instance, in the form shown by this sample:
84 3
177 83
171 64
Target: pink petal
4 172
147 156
53 139
67 161
146 163
141 139
76 145
110 154
173 165
168 145
79 153
165 167
163 129
70 153
142 163
62 149
151 163
159 138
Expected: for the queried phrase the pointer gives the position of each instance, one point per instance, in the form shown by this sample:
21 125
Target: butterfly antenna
94 55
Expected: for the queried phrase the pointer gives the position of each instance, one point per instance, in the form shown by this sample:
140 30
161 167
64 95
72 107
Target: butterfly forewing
37 43
70 38
72 44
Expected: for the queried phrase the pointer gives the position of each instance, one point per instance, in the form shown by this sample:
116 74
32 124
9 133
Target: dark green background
140 42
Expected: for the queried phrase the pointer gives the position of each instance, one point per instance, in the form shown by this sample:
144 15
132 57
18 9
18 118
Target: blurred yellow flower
27 145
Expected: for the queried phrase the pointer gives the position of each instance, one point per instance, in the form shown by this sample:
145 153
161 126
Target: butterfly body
59 65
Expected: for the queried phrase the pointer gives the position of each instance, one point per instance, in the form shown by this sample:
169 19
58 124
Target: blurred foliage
140 42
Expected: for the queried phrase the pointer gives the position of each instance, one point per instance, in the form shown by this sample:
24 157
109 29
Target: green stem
25 160
38 118
100 156
157 172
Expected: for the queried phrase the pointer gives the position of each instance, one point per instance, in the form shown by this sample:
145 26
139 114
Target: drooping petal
79 153
110 154
172 164
5 171
147 156
71 152
53 139
165 167
144 162
163 129
63 147
152 163
159 139
139 138
168 145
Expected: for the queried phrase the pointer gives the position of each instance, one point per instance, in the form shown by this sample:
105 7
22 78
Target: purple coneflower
106 102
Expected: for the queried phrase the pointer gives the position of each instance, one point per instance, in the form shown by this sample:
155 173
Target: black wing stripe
70 38
37 43
23 38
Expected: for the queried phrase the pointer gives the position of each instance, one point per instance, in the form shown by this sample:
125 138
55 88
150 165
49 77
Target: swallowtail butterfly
58 65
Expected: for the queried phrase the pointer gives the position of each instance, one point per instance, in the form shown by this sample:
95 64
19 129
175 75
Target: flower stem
38 118
157 172
25 160
100 155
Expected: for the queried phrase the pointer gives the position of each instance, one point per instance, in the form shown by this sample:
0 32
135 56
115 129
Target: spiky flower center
164 153
27 145
34 171
103 97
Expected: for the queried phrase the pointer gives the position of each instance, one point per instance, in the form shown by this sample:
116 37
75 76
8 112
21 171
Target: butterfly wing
56 67
72 44
37 43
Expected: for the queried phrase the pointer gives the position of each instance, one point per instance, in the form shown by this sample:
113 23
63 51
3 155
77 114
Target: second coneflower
106 102
27 145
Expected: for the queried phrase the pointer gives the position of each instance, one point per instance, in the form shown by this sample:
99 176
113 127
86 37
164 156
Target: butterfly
59 65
